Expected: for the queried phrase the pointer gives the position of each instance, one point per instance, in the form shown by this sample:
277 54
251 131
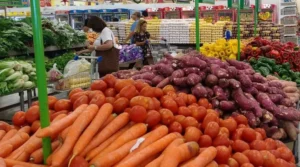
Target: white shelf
292 15
290 25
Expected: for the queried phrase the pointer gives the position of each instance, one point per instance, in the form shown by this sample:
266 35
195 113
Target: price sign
11 3
207 1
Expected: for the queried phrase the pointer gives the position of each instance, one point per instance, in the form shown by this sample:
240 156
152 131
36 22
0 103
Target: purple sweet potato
288 113
232 71
279 135
165 69
227 105
219 62
147 68
147 76
199 91
181 82
239 65
163 83
245 81
260 87
234 84
252 120
215 103
218 71
267 117
267 103
193 79
276 98
191 61
270 130
290 129
242 101
287 102
211 80
257 110
223 83
275 90
276 84
146 81
252 90
210 92
191 70
157 79
178 73
219 93
257 77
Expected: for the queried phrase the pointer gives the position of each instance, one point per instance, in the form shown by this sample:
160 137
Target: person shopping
141 38
105 45
136 16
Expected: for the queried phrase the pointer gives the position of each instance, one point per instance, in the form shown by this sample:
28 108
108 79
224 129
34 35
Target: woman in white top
105 45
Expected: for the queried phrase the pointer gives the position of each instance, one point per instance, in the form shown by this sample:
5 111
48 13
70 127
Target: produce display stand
22 98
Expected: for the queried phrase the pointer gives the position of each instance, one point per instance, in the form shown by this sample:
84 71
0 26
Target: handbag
110 60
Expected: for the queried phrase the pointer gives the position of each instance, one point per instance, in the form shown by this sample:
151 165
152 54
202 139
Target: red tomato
232 163
153 118
167 116
54 115
171 105
180 101
168 88
240 146
35 103
148 91
179 119
91 94
241 119
282 163
221 140
212 129
98 99
172 94
128 92
120 104
269 159
110 92
156 103
224 131
198 112
270 144
81 100
285 153
191 99
204 103
254 157
75 96
258 145
110 80
99 85
51 102
74 91
140 85
247 165
19 118
110 100
32 114
138 114
279 144
79 161
192 134
248 135
223 154
121 83
184 96
237 135
158 93
63 104
262 132
190 121
35 126
210 117
229 123
205 141
175 127
240 158
184 111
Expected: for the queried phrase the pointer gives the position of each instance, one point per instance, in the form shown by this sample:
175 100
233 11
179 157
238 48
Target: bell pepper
256 52
252 60
286 66
282 72
264 71
267 60
261 64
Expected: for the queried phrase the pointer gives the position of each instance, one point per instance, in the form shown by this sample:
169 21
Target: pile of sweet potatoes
232 87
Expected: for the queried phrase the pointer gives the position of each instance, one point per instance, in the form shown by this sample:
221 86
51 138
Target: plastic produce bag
76 66
129 53
54 74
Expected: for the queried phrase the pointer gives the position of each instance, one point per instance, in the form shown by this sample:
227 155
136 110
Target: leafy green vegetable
61 61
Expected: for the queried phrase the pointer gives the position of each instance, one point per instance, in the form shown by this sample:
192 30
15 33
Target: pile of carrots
126 123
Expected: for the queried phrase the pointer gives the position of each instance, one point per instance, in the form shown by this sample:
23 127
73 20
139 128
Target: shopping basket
82 79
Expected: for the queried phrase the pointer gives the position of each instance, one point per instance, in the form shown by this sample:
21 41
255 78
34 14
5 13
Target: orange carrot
148 160
49 159
203 158
155 135
173 157
64 134
212 164
32 144
76 129
9 135
2 162
9 145
106 143
2 134
134 132
108 120
156 162
150 150
25 129
103 113
59 126
37 156
116 124
11 163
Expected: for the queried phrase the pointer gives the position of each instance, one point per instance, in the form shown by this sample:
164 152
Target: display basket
291 39
80 80
287 3
289 20
289 11
292 30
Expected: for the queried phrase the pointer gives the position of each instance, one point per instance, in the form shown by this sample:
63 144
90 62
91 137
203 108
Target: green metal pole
41 72
197 25
238 29
256 16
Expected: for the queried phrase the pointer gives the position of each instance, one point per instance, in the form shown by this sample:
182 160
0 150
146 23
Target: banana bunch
221 49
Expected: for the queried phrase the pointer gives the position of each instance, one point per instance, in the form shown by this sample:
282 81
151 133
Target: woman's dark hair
96 23
115 19
86 22
145 13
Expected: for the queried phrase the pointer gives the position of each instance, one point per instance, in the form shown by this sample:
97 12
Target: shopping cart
158 54
82 79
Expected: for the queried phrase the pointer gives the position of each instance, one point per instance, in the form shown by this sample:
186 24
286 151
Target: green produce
61 61
5 72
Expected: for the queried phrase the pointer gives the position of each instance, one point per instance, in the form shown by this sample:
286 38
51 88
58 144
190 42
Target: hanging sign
207 1
11 3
